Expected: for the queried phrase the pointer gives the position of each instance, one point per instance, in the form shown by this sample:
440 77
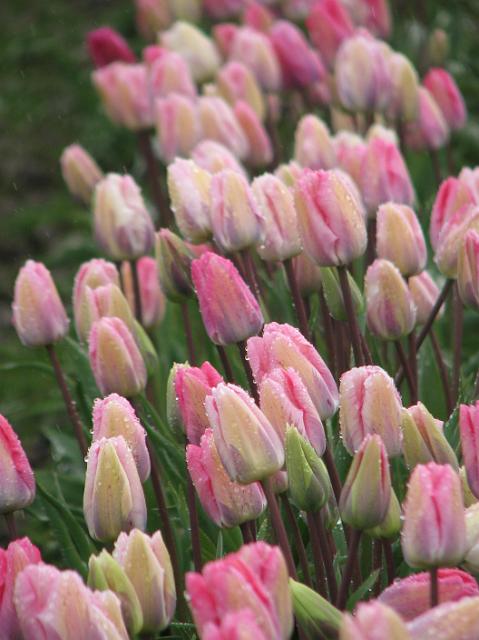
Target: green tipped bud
174 266
309 484
104 573
330 512
147 350
334 297
469 497
315 615
173 414
391 525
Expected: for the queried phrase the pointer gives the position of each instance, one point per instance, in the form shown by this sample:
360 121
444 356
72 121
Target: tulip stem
434 587
328 332
436 166
371 246
11 525
154 178
413 364
351 314
297 299
194 524
327 558
388 555
377 564
68 400
450 159
225 363
442 372
251 275
298 540
189 334
405 365
249 373
278 526
318 557
333 472
246 533
458 322
136 290
354 539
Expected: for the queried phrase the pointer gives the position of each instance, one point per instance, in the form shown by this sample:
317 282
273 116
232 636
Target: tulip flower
349 149
195 47
452 238
229 310
279 225
94 273
236 82
424 440
219 123
373 621
113 500
313 147
106 45
284 346
391 525
17 483
227 503
257 16
80 172
470 178
451 620
369 403
240 625
177 126
256 52
146 562
404 105
307 275
39 316
366 492
104 301
260 149
390 310
169 74
115 359
429 130
224 34
174 259
152 299
254 578
434 532
289 173
247 443
215 157
331 220
151 17
399 238
18 555
447 95
378 130
467 270
469 429
424 292
452 196
328 25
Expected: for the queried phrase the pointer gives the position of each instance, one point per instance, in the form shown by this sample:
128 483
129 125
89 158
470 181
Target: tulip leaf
362 590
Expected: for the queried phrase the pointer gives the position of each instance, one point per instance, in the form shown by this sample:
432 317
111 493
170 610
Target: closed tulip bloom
424 292
169 73
399 238
451 620
257 16
468 270
151 17
19 554
307 274
224 34
260 149
195 47
92 274
285 401
279 224
80 172
240 625
255 51
115 359
366 492
177 126
113 500
215 157
106 45
153 301
447 95
471 560
229 310
301 65
470 178
410 597
350 150
430 129
281 345
384 176
452 196
221 9
192 385
123 226
405 99
227 503
313 147
247 443
146 562
289 173
328 26
373 621
173 258
452 238
236 82
105 301
331 221
469 429
378 130
369 403
424 440
39 316
434 532
254 578
219 123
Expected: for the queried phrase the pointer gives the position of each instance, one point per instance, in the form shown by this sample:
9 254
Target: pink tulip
177 126
469 429
92 274
80 172
151 17
448 621
430 129
192 386
452 237
241 625
236 82
470 178
453 195
106 45
214 157
254 578
257 16
468 269
221 9
219 123
13 560
105 301
410 597
281 345
260 150
372 14
404 104
224 35
447 95
169 73
399 238
227 503
313 147
307 274
17 483
153 301
424 292
350 150
194 46
373 621
329 25
255 51
39 316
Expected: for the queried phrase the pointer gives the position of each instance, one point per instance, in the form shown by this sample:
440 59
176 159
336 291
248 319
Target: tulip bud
437 47
452 238
227 503
467 270
92 274
114 416
256 52
39 317
447 95
177 126
378 130
309 484
146 347
384 176
289 173
104 301
80 172
169 73
424 292
399 238
313 147
469 429
373 621
285 401
152 16
240 625
254 578
105 573
19 554
258 17
328 25
471 560
450 620
215 157
307 275
390 309
260 150
434 532
236 82
153 301
279 225
424 440
334 294
224 34
313 612
333 233
350 150
174 265
124 91
404 104
369 403
113 500
453 195
123 226
192 385
247 443
429 130
106 45
469 497
115 359
391 525
219 123
197 49
284 346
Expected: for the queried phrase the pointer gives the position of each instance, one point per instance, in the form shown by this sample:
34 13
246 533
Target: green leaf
362 590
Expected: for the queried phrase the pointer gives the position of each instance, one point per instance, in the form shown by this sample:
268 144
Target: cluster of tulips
304 445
